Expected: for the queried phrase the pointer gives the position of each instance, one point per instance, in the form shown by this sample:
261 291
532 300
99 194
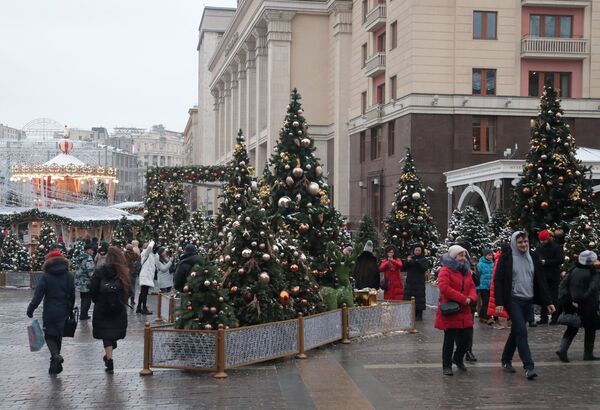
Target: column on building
221 139
235 118
341 17
242 90
227 120
262 80
250 120
279 53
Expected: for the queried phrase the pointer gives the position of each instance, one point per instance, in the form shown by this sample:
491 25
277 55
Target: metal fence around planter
222 349
166 304
23 279
432 294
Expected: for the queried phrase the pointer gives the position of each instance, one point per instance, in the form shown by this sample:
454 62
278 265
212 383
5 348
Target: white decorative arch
474 188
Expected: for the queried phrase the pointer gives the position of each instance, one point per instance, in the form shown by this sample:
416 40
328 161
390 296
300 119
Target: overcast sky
107 63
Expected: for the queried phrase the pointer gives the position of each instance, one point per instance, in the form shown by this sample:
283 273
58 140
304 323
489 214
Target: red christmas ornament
294 267
248 296
284 297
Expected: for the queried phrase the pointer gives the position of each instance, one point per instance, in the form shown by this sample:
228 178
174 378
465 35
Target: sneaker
530 374
470 357
447 371
460 365
508 367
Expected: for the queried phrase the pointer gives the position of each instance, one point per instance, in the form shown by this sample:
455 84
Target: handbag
452 308
569 319
36 336
71 323
385 283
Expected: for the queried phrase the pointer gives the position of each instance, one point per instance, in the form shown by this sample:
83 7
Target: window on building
484 25
375 143
393 86
484 81
363 142
363 102
391 142
380 42
394 34
364 55
550 26
484 134
365 9
560 81
380 94
375 202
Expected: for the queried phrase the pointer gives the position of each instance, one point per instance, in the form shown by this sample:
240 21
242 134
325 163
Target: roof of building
128 205
77 214
64 159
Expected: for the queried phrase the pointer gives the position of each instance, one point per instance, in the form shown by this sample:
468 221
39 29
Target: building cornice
459 104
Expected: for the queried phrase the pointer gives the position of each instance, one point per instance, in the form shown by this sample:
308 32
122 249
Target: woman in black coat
110 289
416 266
57 288
366 269
579 293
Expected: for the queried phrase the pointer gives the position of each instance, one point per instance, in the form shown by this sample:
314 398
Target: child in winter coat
485 268
392 277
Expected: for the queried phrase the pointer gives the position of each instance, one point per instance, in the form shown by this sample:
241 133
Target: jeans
143 298
165 290
451 336
54 344
132 283
485 300
519 311
86 302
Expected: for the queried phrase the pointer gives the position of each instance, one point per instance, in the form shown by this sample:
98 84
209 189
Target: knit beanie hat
54 254
190 249
454 250
544 235
587 258
487 251
368 246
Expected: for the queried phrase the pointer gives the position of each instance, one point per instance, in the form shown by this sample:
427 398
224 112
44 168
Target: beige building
268 49
9 133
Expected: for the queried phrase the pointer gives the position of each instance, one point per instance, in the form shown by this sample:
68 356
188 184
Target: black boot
564 347
588 345
419 316
108 363
138 309
56 364
145 311
470 357
459 363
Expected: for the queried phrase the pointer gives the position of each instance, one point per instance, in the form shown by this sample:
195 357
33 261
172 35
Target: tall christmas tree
198 222
122 234
179 208
13 255
582 236
158 215
410 222
204 302
101 194
471 231
46 243
300 198
367 232
185 234
553 188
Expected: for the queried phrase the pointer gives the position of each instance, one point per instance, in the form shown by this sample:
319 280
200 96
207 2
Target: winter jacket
366 271
553 257
165 277
113 326
582 285
57 288
455 286
503 280
83 271
391 271
485 268
132 262
415 280
492 301
184 268
148 266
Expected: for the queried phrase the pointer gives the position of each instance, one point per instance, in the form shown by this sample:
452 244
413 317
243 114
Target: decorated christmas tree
582 236
204 302
75 251
367 232
101 194
304 291
198 222
179 208
122 234
158 216
13 255
186 234
471 232
46 243
410 222
500 228
553 188
300 198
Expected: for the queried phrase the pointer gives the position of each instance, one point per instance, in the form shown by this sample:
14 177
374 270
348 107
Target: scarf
454 265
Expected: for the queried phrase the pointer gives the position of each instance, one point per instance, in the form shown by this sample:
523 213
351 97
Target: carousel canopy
77 215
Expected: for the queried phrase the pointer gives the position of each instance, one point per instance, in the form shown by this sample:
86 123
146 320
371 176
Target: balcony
557 3
553 47
375 18
375 65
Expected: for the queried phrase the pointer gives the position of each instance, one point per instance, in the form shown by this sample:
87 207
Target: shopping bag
36 336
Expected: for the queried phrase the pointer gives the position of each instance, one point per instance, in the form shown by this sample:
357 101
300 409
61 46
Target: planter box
322 329
432 294
21 279
183 349
385 317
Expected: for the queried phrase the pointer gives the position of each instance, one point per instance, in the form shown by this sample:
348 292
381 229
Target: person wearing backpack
148 259
83 275
57 288
110 290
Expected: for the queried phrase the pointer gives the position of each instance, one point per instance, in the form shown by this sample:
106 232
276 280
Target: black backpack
110 295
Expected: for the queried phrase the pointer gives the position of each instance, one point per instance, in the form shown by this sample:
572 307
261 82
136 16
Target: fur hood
56 265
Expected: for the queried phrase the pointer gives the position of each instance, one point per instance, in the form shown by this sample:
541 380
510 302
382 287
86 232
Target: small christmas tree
553 188
500 228
46 244
75 251
471 231
158 215
410 222
300 199
101 194
13 255
179 208
582 236
204 302
367 232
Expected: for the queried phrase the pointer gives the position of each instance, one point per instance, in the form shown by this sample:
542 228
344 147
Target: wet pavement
399 371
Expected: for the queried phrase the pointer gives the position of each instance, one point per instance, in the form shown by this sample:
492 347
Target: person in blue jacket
485 268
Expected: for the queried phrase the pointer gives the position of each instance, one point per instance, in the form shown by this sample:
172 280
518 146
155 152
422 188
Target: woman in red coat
492 302
391 266
456 285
